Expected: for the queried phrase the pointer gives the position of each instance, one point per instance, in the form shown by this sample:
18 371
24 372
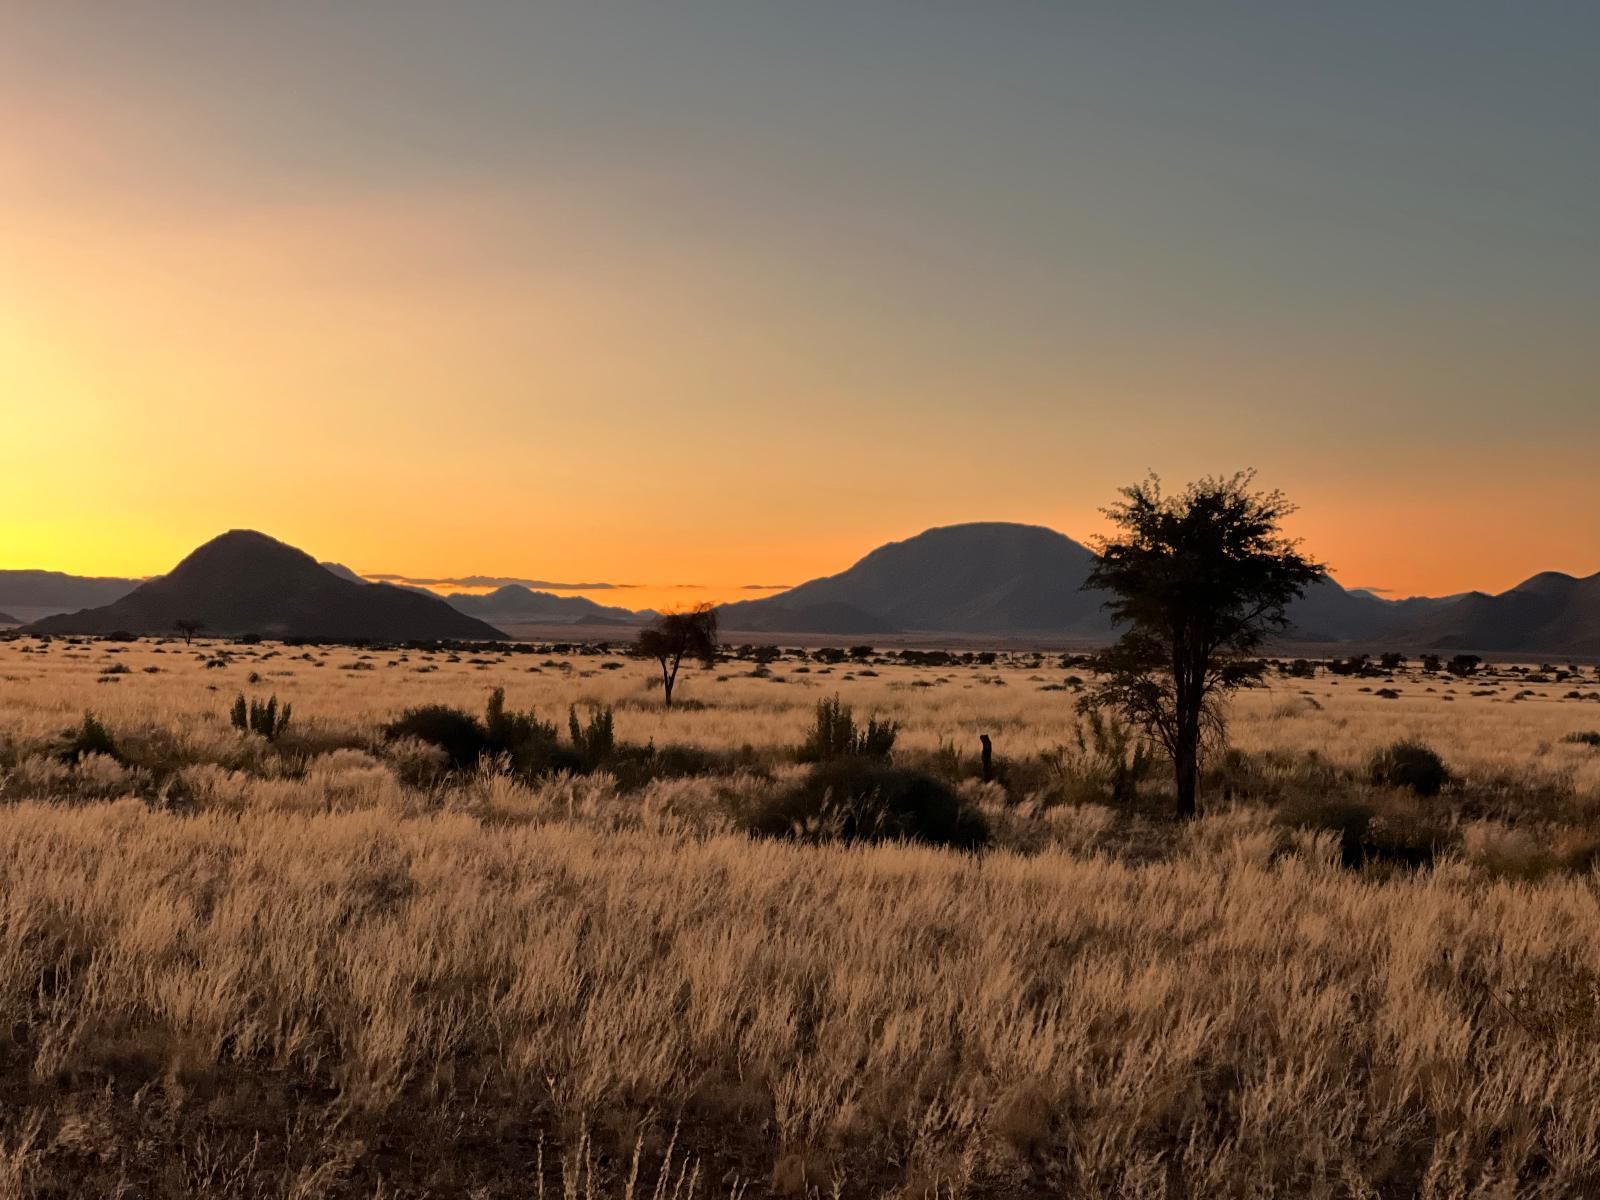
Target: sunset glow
732 298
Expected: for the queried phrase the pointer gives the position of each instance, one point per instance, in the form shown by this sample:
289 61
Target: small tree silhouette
188 627
676 636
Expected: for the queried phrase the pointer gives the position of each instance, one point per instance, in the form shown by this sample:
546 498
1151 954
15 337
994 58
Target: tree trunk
988 757
1186 764
666 685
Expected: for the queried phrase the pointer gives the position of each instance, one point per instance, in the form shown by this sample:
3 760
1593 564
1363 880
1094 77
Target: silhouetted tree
1197 581
188 627
674 637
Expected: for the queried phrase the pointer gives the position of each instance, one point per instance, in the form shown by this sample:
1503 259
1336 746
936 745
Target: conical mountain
245 582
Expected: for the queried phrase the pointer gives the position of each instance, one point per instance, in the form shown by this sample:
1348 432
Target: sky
726 294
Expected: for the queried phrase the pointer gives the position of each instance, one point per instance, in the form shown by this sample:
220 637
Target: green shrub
834 734
265 718
1410 765
635 767
596 741
91 737
528 745
458 734
855 798
1388 832
511 732
1106 760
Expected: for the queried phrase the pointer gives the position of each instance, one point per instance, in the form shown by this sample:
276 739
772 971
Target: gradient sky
728 293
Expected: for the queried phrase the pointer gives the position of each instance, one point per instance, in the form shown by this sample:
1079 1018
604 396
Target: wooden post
988 757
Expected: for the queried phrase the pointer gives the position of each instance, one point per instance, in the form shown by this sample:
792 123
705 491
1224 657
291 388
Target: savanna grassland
329 963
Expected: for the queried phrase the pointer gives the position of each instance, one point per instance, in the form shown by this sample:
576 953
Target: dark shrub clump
863 799
1394 834
834 734
263 717
89 738
1410 765
528 744
594 742
458 734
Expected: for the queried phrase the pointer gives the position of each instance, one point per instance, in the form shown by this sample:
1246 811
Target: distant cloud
763 587
492 581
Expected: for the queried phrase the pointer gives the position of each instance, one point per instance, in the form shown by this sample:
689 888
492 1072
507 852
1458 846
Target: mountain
1551 613
517 604
830 617
342 571
986 577
245 582
1330 613
1001 578
29 595
8 619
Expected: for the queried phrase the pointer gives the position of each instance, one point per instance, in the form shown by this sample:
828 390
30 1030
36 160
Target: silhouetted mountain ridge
1551 613
29 595
1004 578
984 577
245 582
518 604
996 578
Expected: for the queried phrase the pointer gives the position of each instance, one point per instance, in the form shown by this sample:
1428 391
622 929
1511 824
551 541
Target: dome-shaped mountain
984 577
246 582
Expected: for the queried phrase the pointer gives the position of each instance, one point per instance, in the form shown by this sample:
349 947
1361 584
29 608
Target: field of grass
325 965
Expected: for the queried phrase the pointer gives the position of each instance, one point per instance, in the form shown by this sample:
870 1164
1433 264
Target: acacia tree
1197 581
188 627
674 637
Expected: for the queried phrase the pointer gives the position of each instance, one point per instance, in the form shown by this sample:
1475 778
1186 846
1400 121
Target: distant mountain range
1001 578
519 605
1550 613
993 578
247 583
29 595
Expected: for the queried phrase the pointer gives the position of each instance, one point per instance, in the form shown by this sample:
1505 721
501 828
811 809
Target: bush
860 799
1410 765
595 742
834 735
1107 760
529 745
1389 832
89 738
458 734
267 718
1587 738
511 732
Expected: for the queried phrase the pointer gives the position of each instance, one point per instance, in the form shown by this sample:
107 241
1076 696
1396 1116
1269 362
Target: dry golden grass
292 975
